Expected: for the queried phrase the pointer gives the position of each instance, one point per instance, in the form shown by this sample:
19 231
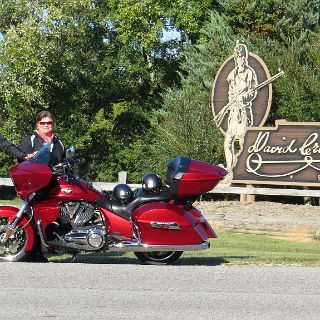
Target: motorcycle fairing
29 177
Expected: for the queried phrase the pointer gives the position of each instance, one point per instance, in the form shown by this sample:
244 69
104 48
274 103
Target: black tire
13 249
158 257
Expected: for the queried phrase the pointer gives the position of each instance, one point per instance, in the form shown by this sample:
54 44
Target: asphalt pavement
132 291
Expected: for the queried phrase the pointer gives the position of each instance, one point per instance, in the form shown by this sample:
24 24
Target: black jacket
33 142
11 149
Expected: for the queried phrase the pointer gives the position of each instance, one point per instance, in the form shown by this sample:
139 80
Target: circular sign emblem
241 94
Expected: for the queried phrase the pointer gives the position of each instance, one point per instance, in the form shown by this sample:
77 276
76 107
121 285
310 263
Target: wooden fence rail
220 189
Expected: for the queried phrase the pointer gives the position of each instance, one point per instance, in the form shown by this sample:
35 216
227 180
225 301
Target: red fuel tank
74 189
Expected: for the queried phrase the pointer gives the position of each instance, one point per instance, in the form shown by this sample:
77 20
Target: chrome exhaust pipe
143 247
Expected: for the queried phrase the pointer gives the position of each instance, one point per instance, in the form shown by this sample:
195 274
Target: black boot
39 257
36 255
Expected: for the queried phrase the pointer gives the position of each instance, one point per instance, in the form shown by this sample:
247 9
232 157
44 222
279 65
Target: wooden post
243 197
122 177
248 197
251 197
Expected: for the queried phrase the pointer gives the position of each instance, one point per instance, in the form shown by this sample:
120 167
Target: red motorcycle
64 212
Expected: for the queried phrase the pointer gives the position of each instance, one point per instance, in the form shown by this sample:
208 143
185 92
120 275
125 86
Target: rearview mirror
71 151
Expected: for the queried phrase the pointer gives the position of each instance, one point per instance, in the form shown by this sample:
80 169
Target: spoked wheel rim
158 257
13 249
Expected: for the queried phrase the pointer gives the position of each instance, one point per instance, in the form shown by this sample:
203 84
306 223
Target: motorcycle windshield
32 175
45 155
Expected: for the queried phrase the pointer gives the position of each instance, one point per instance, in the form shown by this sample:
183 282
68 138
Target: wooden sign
241 97
288 154
260 104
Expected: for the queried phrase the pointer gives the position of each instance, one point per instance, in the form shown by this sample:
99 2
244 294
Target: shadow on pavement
118 258
210 261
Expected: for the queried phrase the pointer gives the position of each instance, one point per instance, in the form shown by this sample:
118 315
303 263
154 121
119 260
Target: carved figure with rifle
223 112
243 88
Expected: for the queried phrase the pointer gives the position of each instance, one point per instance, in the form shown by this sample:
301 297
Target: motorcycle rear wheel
158 257
13 249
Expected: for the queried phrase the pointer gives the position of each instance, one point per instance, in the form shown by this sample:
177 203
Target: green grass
239 249
13 202
230 248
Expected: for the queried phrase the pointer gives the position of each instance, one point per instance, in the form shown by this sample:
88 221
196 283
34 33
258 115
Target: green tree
65 56
284 35
143 23
186 125
102 67
95 64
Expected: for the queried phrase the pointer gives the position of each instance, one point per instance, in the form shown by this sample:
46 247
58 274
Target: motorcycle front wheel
158 257
13 248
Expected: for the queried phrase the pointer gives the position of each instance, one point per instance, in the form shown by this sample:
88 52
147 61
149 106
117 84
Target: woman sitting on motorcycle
42 135
33 143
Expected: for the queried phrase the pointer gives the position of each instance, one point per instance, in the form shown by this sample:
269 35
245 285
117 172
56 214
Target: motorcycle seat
125 210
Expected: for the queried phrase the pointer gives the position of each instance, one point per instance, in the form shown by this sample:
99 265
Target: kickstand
74 255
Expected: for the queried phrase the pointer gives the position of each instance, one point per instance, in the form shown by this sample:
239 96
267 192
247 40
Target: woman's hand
30 155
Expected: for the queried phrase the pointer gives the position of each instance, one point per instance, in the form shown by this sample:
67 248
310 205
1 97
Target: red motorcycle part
47 211
203 222
162 223
194 178
29 177
10 213
117 225
73 190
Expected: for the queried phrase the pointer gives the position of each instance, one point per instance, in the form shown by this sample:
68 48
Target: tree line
130 98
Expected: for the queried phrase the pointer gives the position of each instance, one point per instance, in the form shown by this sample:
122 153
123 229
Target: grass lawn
230 248
13 202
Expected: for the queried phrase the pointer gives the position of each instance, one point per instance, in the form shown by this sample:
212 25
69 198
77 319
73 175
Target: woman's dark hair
44 114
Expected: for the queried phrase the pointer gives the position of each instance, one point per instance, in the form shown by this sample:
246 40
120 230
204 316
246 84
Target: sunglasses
42 123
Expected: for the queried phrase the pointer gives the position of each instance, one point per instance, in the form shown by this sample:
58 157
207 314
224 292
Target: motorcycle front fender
10 213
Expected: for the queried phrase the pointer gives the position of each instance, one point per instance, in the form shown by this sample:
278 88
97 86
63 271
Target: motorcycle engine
81 226
76 213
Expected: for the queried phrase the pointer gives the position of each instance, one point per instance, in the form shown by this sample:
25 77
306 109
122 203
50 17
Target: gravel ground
288 221
285 221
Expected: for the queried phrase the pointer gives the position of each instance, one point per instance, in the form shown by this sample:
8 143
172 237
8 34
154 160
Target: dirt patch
285 221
